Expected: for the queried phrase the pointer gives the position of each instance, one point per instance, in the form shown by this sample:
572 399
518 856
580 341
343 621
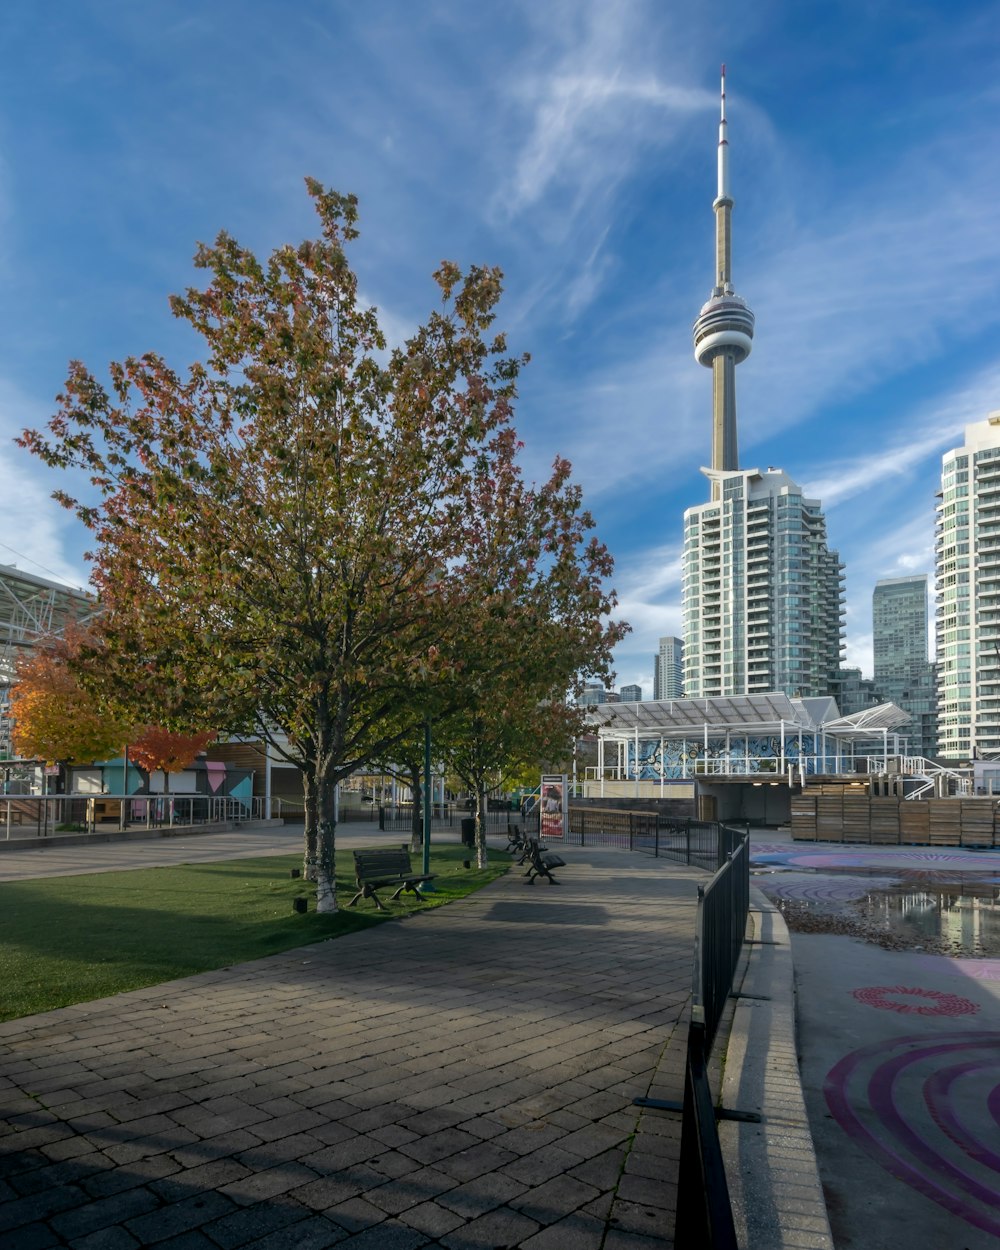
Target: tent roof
760 713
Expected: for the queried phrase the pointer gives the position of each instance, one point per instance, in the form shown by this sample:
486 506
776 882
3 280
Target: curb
771 1167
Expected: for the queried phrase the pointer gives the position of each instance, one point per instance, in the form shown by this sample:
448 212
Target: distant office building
630 694
903 673
853 692
593 694
967 569
763 593
668 669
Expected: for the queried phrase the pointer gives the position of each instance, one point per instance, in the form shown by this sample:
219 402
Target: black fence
399 819
704 1211
704 843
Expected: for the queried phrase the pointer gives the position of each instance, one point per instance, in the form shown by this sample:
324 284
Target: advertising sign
553 820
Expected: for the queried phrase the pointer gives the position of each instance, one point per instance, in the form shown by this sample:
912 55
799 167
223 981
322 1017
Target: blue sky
573 144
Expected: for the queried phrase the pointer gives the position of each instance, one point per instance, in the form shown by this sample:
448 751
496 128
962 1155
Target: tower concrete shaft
723 333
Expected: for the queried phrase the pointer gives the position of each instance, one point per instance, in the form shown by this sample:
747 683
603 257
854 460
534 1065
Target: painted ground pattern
914 1104
925 1107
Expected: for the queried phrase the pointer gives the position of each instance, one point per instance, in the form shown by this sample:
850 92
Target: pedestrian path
21 860
463 1078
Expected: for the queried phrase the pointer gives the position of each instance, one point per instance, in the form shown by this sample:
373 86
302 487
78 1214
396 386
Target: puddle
962 919
938 910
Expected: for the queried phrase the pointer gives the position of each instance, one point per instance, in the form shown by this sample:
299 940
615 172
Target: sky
572 143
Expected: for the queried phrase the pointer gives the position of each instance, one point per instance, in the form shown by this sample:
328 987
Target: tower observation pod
723 333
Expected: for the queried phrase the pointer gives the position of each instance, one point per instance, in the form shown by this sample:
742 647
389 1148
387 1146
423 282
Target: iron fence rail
40 816
704 1211
704 843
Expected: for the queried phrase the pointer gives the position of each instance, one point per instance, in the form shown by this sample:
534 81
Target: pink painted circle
940 1004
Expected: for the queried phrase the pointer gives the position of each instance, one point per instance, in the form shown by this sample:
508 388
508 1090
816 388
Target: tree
55 718
536 624
168 751
489 743
279 531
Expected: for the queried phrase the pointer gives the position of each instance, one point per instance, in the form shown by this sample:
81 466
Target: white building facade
763 594
967 569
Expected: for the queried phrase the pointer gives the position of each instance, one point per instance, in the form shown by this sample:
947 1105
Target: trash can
469 831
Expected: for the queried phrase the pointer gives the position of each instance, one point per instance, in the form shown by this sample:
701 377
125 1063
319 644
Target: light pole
427 887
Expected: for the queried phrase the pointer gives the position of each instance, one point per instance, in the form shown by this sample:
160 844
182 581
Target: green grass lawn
71 939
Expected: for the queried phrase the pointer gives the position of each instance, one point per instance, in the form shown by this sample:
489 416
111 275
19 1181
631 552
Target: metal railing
42 816
704 1211
704 843
399 819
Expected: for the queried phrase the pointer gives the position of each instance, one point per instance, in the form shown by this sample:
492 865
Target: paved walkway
463 1078
22 858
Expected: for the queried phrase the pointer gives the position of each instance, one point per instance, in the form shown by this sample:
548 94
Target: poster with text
554 816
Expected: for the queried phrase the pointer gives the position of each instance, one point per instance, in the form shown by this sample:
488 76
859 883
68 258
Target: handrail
704 1211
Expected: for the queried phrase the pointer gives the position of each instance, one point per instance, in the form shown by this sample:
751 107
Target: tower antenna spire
723 144
723 333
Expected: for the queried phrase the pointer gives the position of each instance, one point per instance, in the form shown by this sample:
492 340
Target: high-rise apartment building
967 568
762 592
668 669
903 673
630 694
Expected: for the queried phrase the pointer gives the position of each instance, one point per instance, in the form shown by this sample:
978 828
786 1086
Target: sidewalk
463 1078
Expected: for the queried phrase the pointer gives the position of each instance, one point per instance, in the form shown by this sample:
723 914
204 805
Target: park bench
517 842
383 869
541 861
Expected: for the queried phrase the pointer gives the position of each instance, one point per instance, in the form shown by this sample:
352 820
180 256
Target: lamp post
427 887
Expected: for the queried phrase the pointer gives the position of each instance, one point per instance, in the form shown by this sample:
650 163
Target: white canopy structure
736 737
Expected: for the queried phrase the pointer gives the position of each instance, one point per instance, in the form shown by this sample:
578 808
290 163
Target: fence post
381 818
688 839
631 832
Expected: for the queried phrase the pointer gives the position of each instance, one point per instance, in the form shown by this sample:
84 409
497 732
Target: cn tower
723 333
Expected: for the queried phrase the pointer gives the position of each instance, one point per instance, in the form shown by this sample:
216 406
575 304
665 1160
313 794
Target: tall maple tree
535 610
282 530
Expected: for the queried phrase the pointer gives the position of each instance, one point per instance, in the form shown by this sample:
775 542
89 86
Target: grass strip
68 940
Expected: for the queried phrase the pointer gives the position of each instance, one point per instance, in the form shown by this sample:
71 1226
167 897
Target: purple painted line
835 1091
993 1104
975 969
882 1100
937 1096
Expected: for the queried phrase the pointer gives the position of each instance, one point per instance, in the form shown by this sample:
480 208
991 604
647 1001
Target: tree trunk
326 880
482 808
311 817
416 818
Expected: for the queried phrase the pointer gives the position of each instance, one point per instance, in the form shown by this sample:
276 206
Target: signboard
553 820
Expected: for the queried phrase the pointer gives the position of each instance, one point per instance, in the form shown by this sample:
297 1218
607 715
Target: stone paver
463 1078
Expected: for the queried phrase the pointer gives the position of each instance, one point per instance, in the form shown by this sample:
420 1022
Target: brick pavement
463 1078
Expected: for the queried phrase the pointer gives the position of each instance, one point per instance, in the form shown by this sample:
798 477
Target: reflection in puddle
942 910
966 919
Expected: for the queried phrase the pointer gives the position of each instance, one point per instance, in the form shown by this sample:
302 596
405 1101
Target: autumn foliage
303 535
55 718
163 750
